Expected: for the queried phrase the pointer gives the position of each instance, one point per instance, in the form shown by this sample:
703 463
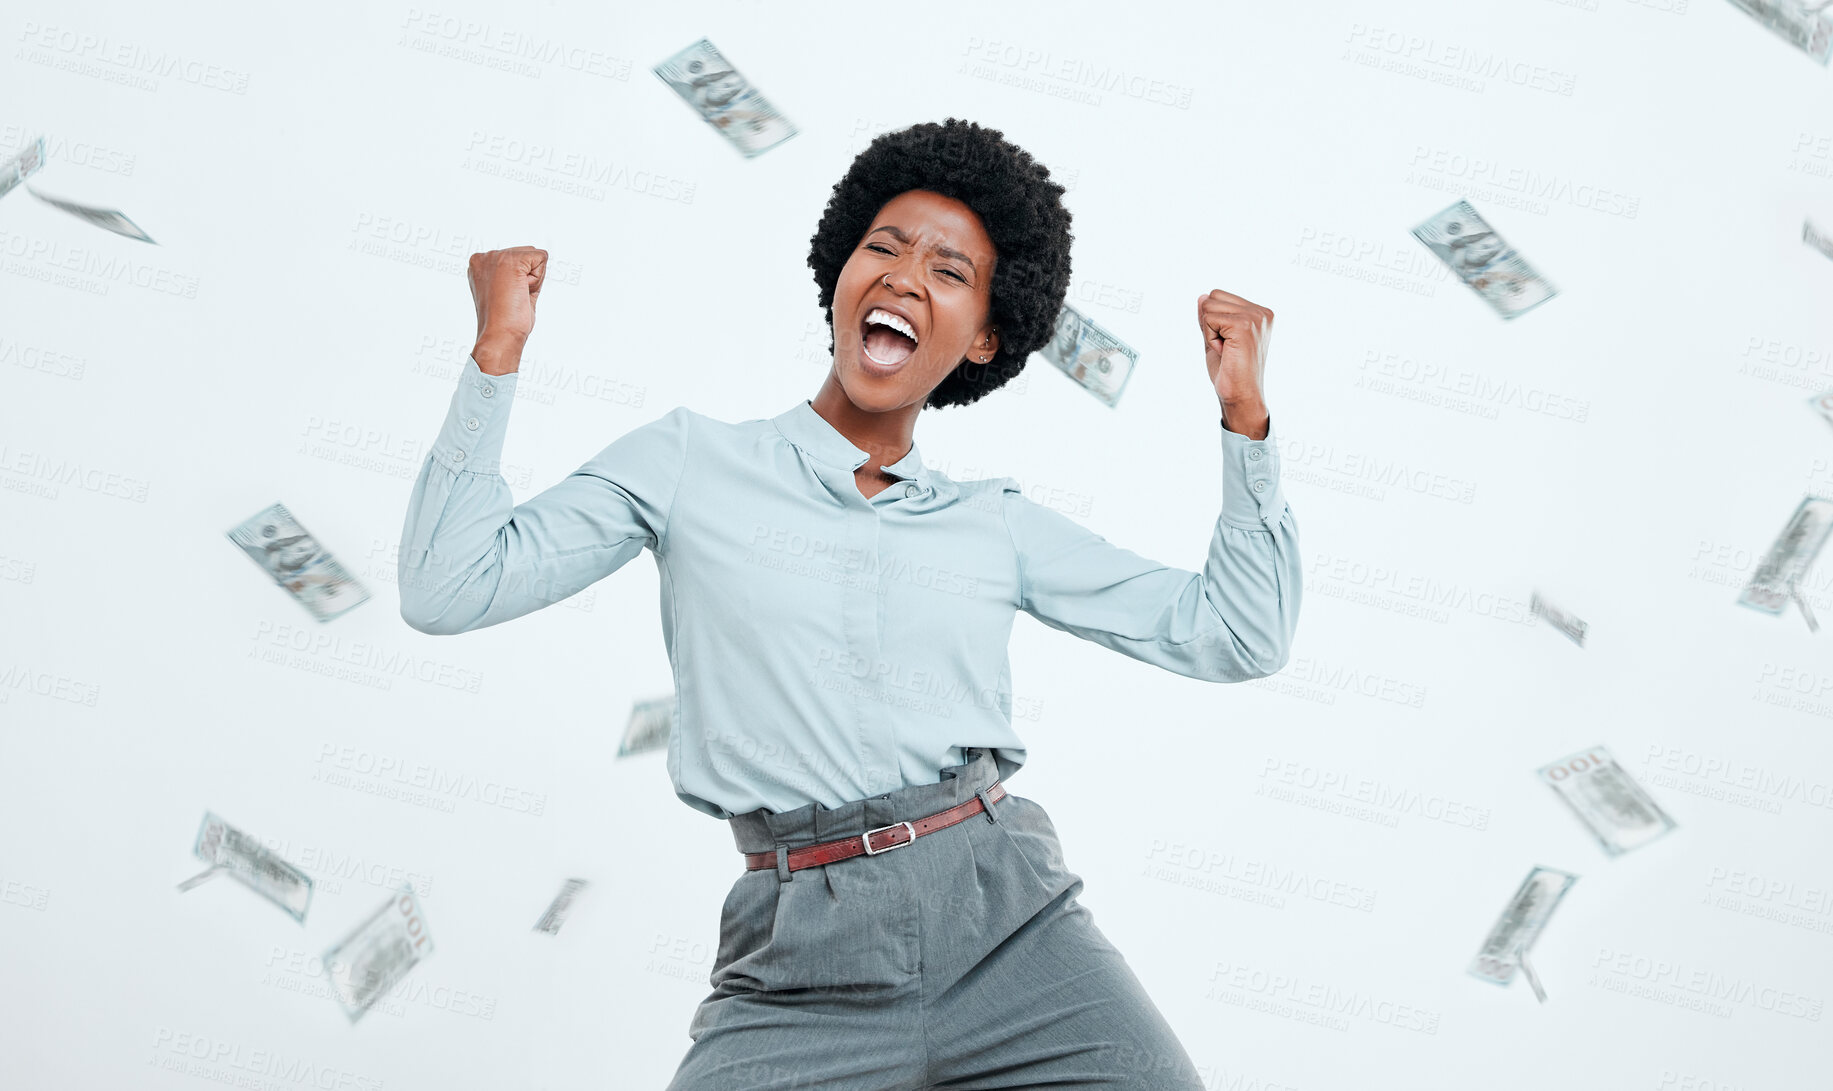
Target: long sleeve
1231 622
470 557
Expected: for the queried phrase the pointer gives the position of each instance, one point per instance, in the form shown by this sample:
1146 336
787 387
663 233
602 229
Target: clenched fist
1235 336
504 286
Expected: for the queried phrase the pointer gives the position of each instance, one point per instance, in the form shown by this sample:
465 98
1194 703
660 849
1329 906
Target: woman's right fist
504 287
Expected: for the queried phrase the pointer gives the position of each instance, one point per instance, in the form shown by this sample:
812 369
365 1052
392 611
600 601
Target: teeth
886 318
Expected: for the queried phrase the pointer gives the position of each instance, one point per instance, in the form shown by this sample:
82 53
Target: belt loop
987 803
782 863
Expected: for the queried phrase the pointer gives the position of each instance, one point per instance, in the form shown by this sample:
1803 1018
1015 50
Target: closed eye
877 249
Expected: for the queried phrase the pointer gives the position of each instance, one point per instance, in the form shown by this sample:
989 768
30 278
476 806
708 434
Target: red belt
826 852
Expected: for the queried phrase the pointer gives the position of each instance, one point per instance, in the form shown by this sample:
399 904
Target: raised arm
1234 620
1231 622
470 557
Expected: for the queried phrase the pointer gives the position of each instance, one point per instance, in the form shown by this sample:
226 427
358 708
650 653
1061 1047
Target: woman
837 615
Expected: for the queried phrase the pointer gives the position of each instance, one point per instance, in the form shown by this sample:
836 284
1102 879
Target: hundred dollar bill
227 849
650 722
289 553
555 916
1790 556
1559 619
1803 27
378 953
107 219
1481 259
1520 924
22 166
1616 809
1822 243
725 99
1090 355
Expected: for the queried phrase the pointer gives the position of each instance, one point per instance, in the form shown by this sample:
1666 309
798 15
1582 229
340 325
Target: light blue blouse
828 647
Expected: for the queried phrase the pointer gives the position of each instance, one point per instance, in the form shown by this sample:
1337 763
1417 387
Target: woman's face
927 260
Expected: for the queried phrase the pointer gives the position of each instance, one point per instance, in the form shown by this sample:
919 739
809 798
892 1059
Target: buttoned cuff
472 436
1251 496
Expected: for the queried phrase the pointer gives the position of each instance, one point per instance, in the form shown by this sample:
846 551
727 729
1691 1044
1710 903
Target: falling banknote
1090 355
298 563
725 99
370 960
1559 619
30 159
1617 811
22 166
1520 923
107 219
1802 26
227 849
555 916
1789 557
1811 236
649 725
1481 259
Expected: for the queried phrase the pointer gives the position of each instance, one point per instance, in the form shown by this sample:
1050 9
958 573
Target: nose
898 281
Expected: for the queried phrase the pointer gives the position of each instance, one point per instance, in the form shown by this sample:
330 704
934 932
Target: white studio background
314 179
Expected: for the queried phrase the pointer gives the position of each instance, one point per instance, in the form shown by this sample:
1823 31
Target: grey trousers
961 960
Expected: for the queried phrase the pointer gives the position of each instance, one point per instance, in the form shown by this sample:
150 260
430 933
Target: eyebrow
947 252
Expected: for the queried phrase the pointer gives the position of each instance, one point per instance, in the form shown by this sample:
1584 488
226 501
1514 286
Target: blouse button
911 489
1260 486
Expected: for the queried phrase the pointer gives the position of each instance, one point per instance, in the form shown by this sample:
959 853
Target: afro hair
1018 205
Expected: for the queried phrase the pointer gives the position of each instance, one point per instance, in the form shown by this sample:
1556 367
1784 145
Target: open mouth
888 340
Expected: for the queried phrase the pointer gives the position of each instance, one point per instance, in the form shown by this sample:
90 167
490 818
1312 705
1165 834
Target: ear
985 343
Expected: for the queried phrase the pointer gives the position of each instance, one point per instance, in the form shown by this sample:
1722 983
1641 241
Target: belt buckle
865 838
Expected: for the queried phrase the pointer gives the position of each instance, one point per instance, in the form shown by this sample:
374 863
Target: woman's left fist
1235 336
